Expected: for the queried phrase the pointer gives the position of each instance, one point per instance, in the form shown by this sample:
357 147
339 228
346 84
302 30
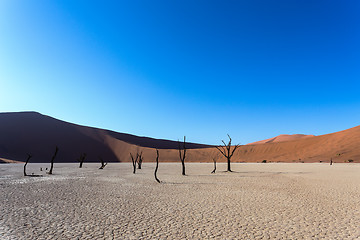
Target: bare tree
81 159
182 154
157 165
140 159
214 157
134 161
103 164
214 170
227 152
52 160
27 160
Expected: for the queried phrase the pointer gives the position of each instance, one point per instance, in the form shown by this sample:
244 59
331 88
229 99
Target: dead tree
134 161
27 160
213 171
157 165
214 156
81 159
140 159
182 154
52 160
103 164
227 152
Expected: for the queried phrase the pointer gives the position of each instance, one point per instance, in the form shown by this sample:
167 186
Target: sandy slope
33 133
30 132
259 201
282 138
341 146
4 160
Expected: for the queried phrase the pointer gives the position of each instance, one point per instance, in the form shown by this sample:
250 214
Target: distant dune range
37 134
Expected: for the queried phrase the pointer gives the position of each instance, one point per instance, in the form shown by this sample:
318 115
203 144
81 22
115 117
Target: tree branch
221 150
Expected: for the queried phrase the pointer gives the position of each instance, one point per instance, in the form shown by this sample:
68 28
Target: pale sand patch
258 201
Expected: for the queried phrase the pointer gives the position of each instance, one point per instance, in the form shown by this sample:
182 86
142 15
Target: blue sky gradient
164 69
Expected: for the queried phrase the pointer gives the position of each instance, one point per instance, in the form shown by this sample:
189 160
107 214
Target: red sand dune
282 138
341 146
37 134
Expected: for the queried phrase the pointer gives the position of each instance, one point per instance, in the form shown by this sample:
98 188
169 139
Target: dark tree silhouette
27 160
214 157
331 160
140 159
213 171
81 159
52 160
103 164
134 161
157 165
227 152
182 154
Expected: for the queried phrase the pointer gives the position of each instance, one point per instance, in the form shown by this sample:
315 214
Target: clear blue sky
164 69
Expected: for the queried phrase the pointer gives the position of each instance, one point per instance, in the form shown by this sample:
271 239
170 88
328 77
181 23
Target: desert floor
257 201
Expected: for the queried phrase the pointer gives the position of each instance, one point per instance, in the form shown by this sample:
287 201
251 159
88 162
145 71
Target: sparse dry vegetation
134 161
27 160
81 159
182 155
227 151
103 164
52 160
157 166
140 159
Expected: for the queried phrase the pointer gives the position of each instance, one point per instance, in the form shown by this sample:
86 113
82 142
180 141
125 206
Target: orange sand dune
282 138
30 132
37 134
4 160
341 146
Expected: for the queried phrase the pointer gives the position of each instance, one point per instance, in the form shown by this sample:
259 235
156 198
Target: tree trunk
182 155
140 160
134 161
228 165
52 160
183 167
27 160
81 159
102 163
157 166
213 171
